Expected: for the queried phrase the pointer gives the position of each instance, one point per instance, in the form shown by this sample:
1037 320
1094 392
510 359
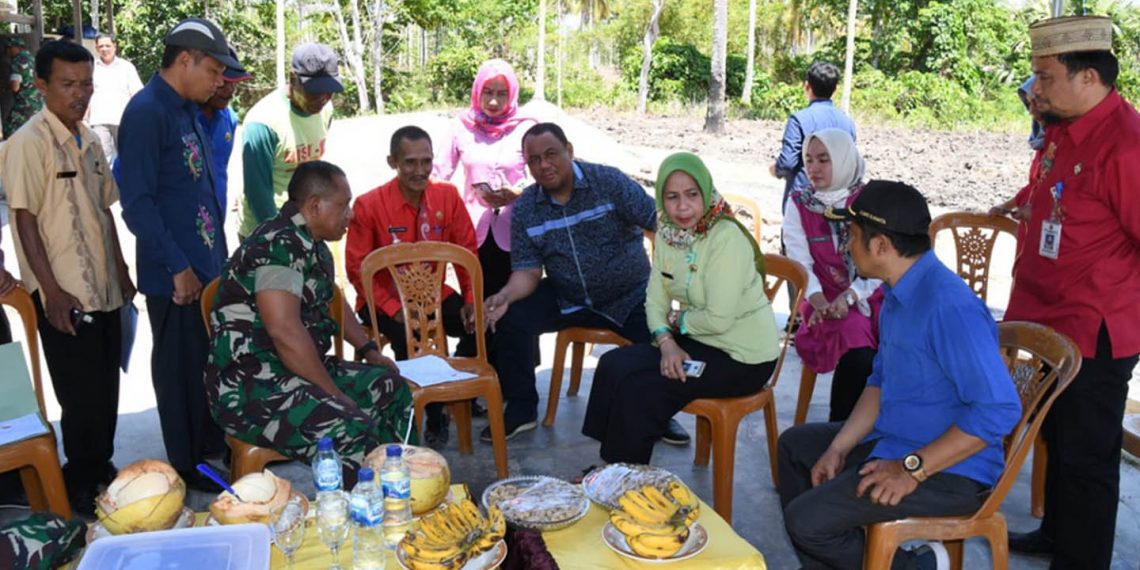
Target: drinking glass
333 522
287 524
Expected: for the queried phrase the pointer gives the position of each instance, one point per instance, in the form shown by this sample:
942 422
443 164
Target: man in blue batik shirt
925 438
219 122
167 187
820 83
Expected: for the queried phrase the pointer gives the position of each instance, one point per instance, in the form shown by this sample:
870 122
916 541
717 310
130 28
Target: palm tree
540 69
849 60
714 119
647 42
749 75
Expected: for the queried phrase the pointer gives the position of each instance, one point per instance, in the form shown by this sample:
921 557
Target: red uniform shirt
1096 276
382 217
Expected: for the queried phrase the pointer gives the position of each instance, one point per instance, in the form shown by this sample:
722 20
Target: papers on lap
19 412
430 370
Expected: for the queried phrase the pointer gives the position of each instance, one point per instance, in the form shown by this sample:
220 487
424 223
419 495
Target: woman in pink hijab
487 140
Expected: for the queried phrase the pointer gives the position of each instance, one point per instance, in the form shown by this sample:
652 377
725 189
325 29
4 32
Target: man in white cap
1078 270
219 122
167 185
284 129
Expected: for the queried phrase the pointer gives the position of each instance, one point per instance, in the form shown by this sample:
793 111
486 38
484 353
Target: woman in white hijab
838 331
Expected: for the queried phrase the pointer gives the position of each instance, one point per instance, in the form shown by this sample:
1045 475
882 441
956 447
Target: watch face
912 462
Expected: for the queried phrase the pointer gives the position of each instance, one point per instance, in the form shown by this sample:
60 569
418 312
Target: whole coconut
431 477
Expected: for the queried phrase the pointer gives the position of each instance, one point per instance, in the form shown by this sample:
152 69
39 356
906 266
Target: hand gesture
7 282
58 306
887 481
673 359
467 315
494 308
819 307
187 287
374 357
827 467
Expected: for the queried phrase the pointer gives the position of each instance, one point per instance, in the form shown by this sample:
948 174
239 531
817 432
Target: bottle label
396 487
327 475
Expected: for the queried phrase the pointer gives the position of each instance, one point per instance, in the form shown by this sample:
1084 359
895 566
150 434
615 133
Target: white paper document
21 428
430 370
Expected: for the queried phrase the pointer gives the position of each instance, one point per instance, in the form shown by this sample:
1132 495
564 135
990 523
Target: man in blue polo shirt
219 123
925 438
167 185
582 223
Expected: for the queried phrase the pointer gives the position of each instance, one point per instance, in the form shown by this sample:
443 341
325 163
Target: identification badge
1050 239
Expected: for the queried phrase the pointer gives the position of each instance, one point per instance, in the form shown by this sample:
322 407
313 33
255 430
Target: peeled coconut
147 495
430 476
260 494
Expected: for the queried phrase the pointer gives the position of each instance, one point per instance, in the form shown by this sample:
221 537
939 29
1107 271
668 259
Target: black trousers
177 365
825 523
1082 478
517 336
631 402
5 329
452 326
85 378
848 381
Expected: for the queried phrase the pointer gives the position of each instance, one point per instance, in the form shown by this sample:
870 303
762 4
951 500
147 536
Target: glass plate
697 542
576 507
605 485
485 561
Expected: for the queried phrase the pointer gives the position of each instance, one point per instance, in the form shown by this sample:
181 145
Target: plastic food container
232 547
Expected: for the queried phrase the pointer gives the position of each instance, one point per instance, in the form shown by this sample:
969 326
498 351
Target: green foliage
776 102
452 71
679 71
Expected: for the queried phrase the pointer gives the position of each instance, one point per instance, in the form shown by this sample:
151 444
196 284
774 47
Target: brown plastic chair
719 418
246 457
418 270
1042 363
1132 434
36 458
751 210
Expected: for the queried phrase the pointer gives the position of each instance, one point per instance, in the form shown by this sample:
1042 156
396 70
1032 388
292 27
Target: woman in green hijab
705 304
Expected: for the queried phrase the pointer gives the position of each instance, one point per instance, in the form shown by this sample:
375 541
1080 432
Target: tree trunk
714 119
651 33
540 69
280 44
750 69
559 56
351 51
378 55
95 15
849 60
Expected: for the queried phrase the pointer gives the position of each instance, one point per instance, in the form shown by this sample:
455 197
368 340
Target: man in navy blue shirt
219 123
925 438
820 83
167 184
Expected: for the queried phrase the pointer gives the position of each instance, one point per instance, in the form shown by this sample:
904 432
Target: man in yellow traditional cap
1078 270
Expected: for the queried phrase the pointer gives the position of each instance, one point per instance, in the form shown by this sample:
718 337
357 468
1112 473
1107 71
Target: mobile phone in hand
693 368
483 187
79 317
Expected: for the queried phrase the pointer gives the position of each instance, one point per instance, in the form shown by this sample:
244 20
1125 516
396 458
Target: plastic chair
418 270
719 418
751 210
36 458
1042 363
246 457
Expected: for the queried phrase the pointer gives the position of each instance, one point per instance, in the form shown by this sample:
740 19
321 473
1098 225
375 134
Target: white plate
485 561
605 485
97 530
698 540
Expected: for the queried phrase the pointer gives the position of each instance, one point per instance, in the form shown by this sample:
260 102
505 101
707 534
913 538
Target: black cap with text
892 206
202 35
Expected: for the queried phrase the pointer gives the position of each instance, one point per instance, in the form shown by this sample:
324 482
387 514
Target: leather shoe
1033 542
675 434
512 429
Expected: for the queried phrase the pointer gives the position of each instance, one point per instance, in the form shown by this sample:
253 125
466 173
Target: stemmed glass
287 524
332 522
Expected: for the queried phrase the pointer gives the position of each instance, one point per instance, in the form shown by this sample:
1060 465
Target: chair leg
773 433
704 441
43 483
498 430
555 381
955 549
1037 483
879 548
724 464
998 536
807 387
576 368
461 416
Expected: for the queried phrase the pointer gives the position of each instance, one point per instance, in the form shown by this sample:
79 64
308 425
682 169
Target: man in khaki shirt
60 192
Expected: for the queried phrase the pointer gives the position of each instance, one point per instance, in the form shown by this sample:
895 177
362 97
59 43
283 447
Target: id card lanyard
1050 246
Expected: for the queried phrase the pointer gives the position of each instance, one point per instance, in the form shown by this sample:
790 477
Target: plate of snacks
651 525
455 536
537 502
605 485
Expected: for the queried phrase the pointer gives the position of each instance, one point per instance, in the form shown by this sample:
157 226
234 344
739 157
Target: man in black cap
219 122
284 129
925 438
167 186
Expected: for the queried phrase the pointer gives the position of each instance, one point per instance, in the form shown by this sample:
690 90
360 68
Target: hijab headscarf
497 127
846 163
716 209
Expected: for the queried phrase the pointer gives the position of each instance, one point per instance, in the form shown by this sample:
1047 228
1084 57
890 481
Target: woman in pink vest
838 331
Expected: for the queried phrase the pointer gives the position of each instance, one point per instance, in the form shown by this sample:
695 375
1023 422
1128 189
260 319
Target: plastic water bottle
367 505
396 481
327 475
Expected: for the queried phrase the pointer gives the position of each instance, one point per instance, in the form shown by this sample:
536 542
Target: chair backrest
418 270
781 270
21 301
1042 363
974 238
748 206
336 310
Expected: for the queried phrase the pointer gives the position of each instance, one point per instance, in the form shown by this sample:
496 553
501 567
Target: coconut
430 476
260 494
146 495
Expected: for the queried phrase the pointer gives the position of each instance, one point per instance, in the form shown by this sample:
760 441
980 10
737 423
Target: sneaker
513 429
931 555
436 434
1033 543
675 434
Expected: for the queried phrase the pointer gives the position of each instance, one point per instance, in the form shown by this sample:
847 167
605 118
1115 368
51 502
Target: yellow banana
451 564
660 500
429 528
683 495
433 554
496 523
635 506
658 545
471 515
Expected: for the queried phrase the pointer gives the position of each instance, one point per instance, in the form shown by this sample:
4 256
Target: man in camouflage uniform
22 82
268 379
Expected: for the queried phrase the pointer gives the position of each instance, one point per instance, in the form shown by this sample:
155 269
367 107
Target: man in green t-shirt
286 128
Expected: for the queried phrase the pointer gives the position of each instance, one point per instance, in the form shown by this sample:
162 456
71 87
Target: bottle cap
365 474
324 444
394 450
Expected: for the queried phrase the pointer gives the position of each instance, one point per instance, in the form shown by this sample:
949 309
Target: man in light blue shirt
939 392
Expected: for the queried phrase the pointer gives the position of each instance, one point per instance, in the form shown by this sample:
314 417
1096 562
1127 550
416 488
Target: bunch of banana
446 538
656 523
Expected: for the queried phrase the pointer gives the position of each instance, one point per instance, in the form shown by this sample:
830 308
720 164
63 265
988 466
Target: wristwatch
912 463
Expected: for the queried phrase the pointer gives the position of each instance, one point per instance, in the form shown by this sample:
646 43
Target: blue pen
207 471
